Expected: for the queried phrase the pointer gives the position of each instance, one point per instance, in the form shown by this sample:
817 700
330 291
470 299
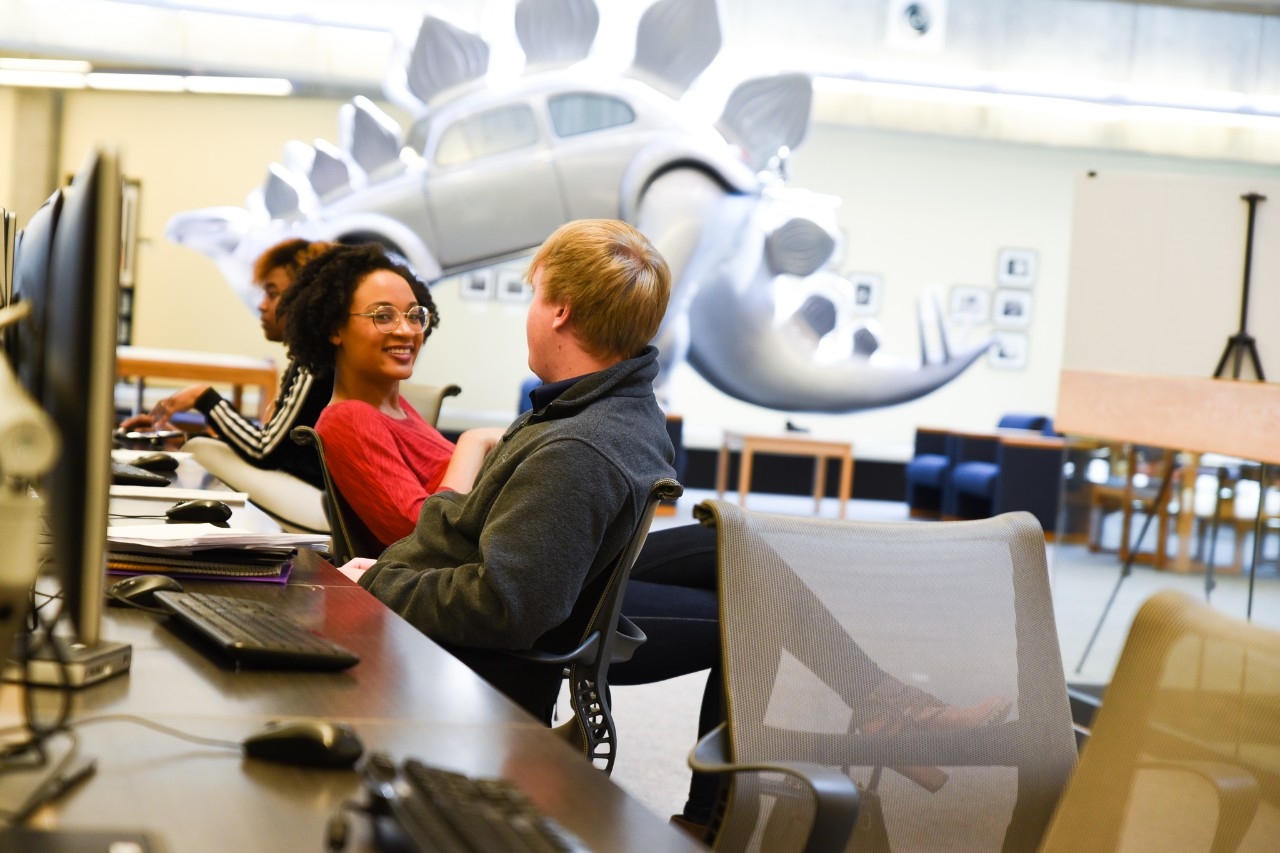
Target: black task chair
606 637
349 536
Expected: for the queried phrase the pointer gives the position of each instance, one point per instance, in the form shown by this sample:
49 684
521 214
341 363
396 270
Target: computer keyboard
252 633
123 474
427 808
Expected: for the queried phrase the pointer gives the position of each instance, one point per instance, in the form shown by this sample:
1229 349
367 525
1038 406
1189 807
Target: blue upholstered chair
929 473
1008 471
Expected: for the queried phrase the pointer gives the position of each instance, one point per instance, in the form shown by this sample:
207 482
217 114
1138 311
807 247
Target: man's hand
356 566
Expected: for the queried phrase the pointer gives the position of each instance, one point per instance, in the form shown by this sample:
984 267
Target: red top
384 467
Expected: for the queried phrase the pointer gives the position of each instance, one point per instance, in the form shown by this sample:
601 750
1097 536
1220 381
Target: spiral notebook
233 564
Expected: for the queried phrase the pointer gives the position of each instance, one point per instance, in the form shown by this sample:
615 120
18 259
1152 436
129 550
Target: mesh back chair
427 399
1185 751
349 536
842 642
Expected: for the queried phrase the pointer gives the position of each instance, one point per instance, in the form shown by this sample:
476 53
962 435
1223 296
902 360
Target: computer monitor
24 342
80 314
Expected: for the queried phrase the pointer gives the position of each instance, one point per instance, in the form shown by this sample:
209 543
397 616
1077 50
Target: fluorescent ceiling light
53 66
41 79
135 82
202 85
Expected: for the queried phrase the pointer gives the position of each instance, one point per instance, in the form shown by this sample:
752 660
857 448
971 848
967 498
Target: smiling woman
362 315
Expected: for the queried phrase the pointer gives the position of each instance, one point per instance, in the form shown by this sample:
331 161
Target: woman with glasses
356 311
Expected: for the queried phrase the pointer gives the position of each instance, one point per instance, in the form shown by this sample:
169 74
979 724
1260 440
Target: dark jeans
672 598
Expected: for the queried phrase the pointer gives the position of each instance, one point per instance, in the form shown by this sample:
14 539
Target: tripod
1241 343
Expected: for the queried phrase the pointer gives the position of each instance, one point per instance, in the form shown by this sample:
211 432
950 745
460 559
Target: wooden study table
407 696
141 363
817 449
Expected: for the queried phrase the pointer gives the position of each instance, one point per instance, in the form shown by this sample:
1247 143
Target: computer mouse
307 743
141 589
156 462
203 510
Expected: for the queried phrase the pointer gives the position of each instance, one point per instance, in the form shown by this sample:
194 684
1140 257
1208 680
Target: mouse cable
122 515
159 727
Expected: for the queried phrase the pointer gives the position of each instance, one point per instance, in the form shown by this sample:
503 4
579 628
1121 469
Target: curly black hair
318 303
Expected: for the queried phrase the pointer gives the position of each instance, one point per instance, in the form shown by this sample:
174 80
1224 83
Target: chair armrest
628 638
835 794
584 653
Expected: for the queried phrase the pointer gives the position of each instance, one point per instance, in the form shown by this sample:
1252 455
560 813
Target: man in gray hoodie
501 566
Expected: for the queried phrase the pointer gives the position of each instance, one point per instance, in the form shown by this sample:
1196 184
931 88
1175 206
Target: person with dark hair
362 316
302 395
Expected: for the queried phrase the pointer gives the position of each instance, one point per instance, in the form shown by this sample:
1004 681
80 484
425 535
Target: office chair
842 642
427 399
295 503
349 536
1183 752
607 637
929 473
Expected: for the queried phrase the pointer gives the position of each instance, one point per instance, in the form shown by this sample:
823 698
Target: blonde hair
614 280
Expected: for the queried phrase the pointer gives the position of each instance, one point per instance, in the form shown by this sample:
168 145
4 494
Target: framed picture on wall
1008 351
866 293
511 286
970 304
1016 267
1011 309
477 284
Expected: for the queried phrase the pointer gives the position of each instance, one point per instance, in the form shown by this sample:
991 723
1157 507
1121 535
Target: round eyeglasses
387 319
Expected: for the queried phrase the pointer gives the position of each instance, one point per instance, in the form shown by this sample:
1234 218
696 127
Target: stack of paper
204 537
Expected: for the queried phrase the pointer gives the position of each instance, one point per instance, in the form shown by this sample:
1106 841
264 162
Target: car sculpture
488 170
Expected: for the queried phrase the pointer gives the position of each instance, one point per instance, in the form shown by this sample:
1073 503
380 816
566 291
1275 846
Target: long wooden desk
141 363
407 696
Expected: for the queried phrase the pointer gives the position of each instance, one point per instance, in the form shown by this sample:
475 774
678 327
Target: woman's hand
468 455
158 417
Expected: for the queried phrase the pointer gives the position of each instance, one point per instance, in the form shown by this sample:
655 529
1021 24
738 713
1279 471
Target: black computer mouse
158 463
204 510
307 743
141 589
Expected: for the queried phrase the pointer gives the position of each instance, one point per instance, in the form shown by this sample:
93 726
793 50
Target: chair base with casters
296 504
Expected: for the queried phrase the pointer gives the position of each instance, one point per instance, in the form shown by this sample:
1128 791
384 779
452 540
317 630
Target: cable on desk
159 727
58 782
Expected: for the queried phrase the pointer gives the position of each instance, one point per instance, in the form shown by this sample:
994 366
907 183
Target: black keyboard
252 633
131 475
428 809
